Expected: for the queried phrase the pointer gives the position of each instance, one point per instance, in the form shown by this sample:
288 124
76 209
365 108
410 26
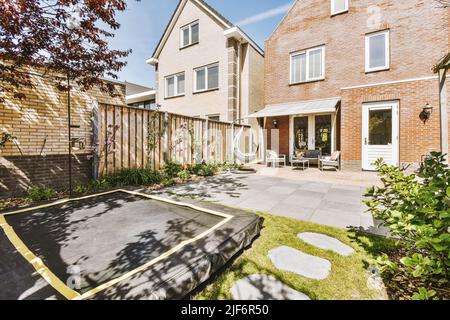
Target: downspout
443 108
238 102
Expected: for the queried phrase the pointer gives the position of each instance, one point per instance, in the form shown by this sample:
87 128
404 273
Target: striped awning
300 107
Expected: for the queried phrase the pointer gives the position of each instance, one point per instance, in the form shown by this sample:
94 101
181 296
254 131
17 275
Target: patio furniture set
303 159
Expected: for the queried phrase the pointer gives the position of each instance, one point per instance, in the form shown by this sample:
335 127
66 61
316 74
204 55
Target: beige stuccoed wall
211 49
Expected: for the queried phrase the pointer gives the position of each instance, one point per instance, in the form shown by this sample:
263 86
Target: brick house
206 66
354 76
39 155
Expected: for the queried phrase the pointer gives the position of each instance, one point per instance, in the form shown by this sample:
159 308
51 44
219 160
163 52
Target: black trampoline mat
91 241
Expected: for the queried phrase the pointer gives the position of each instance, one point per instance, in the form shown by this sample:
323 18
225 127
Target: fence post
206 140
166 137
95 139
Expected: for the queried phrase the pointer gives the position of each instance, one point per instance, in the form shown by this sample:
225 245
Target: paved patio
325 201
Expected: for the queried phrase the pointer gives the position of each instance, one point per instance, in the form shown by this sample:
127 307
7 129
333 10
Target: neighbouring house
140 96
356 76
207 67
39 154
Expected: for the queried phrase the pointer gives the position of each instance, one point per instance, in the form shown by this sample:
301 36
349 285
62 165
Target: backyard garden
412 263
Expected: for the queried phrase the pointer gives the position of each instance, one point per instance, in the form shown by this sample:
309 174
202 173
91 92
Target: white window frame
176 92
206 78
333 10
307 51
188 26
387 51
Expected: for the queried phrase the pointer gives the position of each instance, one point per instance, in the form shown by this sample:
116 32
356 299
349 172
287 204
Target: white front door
380 133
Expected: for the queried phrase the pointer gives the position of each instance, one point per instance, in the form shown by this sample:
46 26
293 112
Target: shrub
205 170
416 210
41 193
184 175
171 169
92 186
134 177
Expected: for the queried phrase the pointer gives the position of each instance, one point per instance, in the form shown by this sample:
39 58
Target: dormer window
189 35
339 6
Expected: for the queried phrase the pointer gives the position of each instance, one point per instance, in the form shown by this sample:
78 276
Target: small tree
38 34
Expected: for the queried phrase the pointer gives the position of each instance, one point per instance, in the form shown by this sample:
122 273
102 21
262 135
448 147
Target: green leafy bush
416 209
184 175
171 169
41 193
92 186
134 177
205 170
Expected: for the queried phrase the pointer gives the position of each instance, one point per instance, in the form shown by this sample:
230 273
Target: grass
348 277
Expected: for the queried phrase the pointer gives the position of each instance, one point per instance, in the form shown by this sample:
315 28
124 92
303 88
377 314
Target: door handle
365 141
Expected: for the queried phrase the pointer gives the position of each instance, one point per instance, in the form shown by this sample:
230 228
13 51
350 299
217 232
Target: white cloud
265 15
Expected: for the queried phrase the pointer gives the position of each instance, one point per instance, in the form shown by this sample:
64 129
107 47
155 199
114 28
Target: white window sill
377 69
339 12
177 96
206 90
307 81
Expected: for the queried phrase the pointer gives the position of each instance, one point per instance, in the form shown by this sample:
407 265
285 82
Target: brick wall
417 42
416 138
39 123
18 173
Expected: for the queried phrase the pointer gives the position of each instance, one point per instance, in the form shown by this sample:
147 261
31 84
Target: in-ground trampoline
117 245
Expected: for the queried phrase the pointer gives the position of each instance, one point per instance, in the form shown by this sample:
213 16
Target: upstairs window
377 51
175 85
206 78
308 65
339 6
189 34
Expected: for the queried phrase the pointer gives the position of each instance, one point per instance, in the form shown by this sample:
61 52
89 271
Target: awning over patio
300 107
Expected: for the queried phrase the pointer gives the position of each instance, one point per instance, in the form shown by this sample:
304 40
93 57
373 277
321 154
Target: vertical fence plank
139 138
118 139
126 138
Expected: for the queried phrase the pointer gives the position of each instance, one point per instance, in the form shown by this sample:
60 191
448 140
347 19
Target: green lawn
348 278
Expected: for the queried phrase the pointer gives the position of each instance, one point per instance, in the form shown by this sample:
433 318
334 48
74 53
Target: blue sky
143 22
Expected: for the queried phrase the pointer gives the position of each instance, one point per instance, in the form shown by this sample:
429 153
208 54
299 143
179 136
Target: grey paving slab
301 200
289 259
326 242
292 210
316 186
264 287
325 203
328 218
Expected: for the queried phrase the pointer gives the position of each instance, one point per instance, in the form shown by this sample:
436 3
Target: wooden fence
130 137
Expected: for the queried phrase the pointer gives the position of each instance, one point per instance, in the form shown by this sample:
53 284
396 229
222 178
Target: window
189 34
308 65
213 117
175 85
377 51
339 6
206 78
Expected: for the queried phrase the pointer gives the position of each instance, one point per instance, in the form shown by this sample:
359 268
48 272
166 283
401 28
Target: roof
226 24
133 88
299 107
141 97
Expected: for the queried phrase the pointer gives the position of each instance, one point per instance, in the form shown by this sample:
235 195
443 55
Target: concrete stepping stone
290 259
264 287
327 243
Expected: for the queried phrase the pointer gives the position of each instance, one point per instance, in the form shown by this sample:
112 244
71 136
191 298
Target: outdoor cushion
335 156
299 154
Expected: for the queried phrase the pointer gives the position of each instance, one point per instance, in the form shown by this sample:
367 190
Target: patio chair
274 158
333 161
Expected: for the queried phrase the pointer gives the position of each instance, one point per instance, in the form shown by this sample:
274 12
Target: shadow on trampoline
108 236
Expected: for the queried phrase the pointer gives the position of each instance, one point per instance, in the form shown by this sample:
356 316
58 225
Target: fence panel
139 138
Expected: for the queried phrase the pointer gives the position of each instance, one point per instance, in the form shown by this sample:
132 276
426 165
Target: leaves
416 210
37 34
